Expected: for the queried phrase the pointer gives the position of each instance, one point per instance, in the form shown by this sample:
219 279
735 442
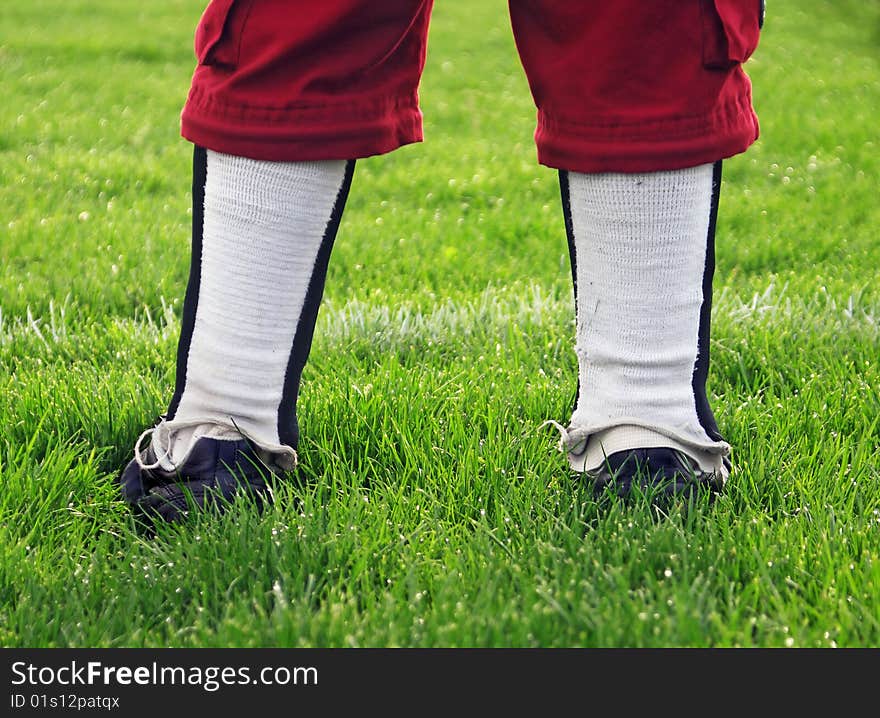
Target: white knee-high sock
639 254
265 232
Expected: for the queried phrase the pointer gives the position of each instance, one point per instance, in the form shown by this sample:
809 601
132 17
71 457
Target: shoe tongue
205 454
176 445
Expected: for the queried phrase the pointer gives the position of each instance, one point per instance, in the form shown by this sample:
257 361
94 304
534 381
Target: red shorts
625 85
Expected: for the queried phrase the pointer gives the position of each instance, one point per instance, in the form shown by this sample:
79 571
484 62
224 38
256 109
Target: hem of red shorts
301 134
615 145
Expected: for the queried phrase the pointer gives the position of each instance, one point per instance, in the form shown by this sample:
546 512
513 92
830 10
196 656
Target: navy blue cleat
215 473
656 471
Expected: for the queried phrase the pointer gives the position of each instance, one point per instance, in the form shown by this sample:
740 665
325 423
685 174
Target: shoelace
166 454
570 438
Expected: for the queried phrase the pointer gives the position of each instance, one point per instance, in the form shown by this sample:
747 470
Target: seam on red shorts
722 119
200 103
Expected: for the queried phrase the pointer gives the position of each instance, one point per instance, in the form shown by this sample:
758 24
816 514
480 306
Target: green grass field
437 512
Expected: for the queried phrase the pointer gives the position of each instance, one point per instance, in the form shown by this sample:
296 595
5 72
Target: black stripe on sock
572 254
288 426
701 367
191 300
